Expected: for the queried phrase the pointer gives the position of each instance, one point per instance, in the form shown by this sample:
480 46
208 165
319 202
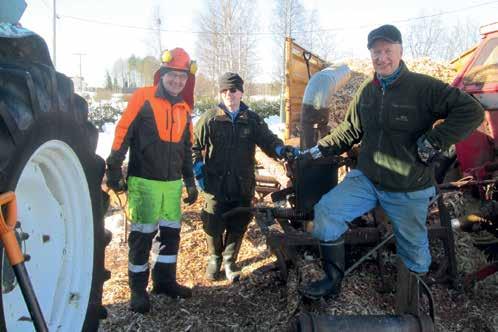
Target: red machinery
479 77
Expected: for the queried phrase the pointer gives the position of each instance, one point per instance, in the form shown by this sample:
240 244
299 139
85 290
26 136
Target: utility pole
54 18
81 75
158 25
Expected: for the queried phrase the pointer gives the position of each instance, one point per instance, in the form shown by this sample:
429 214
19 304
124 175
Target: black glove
192 192
426 151
115 180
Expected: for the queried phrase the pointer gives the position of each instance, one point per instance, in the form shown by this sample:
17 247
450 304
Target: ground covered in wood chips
261 300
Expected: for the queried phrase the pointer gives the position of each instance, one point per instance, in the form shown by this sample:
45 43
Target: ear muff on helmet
193 67
166 56
178 59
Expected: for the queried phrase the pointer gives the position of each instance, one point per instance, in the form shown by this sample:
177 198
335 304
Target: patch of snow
275 125
115 223
105 140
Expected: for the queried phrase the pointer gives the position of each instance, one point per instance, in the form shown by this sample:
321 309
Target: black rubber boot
164 281
215 247
139 301
232 246
407 298
333 264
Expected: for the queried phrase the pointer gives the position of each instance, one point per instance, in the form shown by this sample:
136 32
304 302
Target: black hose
30 297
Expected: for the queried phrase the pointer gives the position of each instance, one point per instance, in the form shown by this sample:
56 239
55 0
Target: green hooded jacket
389 122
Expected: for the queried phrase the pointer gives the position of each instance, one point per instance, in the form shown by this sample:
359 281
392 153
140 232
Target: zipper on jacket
170 123
232 148
381 113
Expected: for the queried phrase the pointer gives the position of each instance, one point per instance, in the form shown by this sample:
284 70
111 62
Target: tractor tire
47 157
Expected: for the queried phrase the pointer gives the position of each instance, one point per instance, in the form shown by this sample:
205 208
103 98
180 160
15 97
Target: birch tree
226 41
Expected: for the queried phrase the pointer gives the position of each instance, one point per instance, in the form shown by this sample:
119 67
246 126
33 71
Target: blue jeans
407 212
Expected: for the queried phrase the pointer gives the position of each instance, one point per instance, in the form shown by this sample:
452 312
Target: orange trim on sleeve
132 109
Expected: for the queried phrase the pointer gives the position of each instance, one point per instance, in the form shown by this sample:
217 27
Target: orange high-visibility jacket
158 134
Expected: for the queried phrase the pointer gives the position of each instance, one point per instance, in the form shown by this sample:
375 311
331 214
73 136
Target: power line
135 27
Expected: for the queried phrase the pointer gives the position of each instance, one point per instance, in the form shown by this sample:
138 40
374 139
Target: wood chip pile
260 301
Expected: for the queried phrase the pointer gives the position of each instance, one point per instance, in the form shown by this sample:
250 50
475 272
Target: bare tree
119 72
134 71
424 37
428 37
291 19
288 20
460 37
316 39
226 41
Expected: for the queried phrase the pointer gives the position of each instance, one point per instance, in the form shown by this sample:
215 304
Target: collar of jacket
403 70
222 115
162 93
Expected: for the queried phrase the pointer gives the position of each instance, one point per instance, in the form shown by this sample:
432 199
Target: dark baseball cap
387 32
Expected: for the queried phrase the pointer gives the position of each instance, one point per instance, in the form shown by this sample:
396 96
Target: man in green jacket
393 116
224 159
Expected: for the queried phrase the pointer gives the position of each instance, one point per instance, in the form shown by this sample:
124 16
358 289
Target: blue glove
313 152
287 151
199 174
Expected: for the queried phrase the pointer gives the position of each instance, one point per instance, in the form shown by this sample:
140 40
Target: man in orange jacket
157 129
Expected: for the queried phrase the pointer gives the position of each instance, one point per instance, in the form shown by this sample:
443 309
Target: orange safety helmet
178 59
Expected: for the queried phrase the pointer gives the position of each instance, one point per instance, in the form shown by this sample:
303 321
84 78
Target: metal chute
317 100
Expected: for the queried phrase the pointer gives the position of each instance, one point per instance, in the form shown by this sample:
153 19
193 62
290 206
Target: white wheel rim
53 191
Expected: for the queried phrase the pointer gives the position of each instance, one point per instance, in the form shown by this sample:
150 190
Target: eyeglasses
182 76
232 90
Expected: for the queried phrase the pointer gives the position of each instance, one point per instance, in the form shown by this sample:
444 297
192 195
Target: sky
106 30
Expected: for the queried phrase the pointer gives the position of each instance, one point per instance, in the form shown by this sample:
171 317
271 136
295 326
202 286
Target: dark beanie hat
387 32
231 80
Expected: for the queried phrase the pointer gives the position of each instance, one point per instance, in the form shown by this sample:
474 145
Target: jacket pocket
403 117
212 182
